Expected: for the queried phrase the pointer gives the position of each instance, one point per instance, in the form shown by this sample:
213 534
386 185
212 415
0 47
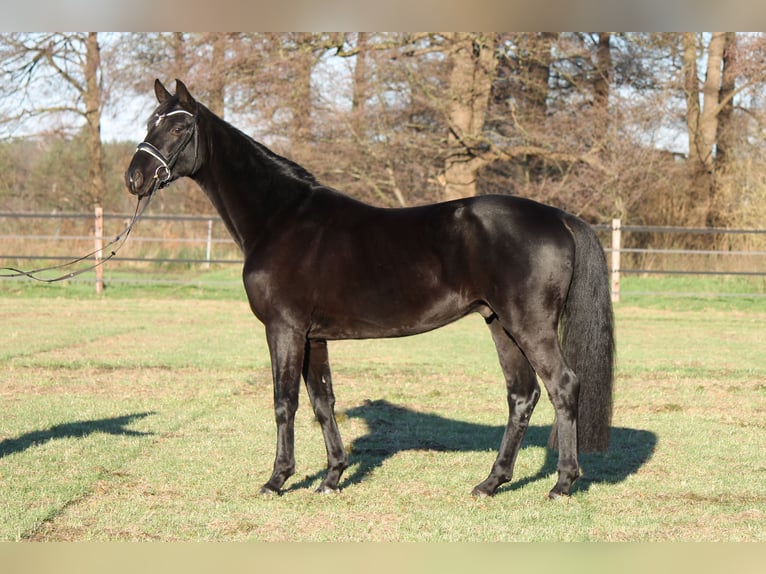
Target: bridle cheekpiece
163 173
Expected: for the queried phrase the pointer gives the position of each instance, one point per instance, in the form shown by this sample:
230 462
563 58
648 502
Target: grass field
146 415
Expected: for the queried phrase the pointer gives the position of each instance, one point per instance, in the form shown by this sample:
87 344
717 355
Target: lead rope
119 241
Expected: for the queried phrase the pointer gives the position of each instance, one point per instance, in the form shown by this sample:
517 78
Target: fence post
209 245
99 246
616 245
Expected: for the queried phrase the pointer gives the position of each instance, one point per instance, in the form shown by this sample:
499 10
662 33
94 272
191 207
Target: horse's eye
177 130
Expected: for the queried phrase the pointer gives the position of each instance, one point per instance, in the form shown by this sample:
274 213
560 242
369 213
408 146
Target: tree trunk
92 97
710 97
301 99
725 136
702 124
360 74
216 101
691 89
601 86
470 83
178 45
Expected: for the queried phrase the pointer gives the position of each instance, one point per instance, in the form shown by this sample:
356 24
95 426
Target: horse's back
471 235
502 218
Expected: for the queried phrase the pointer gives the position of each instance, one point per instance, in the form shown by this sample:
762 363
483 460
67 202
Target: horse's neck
244 185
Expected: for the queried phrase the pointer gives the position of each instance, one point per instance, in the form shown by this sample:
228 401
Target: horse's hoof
324 489
555 495
267 490
480 493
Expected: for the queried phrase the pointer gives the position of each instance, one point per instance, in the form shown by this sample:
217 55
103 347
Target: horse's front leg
287 349
316 371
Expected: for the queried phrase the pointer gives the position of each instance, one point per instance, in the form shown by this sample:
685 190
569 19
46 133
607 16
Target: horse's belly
388 319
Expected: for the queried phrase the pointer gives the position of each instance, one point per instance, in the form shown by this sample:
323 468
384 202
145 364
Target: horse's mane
286 166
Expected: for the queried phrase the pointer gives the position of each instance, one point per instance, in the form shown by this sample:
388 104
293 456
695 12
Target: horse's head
170 149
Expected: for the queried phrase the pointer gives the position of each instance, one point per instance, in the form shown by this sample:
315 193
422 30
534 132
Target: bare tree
534 63
305 54
602 83
92 97
360 91
52 77
725 134
472 62
700 126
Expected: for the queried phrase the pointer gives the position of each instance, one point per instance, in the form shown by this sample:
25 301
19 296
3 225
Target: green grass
146 414
692 292
686 292
220 282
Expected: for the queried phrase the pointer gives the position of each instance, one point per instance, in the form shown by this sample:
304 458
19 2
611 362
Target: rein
119 240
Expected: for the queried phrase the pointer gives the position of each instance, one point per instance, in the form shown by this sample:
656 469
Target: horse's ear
160 91
184 97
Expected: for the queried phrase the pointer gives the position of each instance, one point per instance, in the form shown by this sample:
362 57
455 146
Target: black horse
320 265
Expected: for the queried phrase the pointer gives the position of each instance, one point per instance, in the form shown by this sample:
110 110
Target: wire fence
650 250
164 248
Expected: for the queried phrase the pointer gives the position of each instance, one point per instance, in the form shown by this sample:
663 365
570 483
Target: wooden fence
34 239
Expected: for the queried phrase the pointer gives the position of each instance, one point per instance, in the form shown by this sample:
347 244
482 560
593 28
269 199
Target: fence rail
203 240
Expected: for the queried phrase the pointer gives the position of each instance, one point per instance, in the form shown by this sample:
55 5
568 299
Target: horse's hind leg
541 346
316 372
523 392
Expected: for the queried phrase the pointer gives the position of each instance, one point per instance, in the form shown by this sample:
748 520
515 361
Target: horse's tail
587 338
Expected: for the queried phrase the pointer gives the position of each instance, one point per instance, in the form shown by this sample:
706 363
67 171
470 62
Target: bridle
164 172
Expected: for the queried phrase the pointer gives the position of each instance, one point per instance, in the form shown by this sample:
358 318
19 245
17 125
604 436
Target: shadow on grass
79 429
393 429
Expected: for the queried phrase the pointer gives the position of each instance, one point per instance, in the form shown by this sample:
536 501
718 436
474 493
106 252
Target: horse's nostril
136 178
